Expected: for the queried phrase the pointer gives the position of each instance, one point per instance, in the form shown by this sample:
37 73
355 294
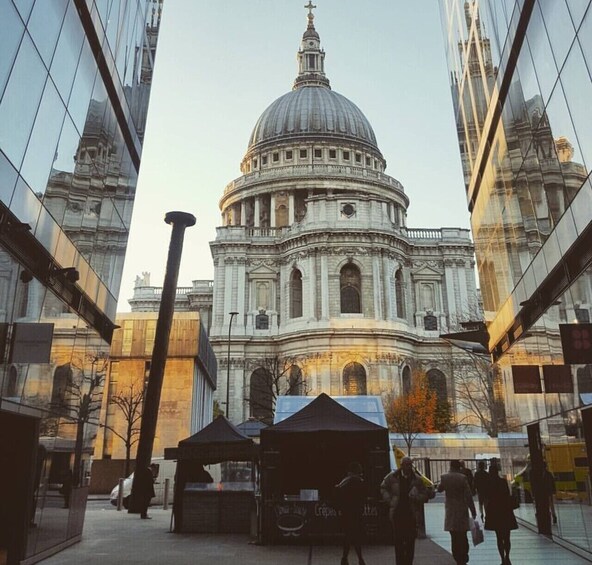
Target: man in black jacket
351 493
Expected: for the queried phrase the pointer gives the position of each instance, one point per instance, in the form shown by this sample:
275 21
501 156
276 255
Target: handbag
476 531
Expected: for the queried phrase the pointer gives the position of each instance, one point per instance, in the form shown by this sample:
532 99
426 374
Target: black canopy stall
199 505
305 456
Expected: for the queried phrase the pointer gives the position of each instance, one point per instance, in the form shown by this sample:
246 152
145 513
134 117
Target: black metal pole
232 315
179 221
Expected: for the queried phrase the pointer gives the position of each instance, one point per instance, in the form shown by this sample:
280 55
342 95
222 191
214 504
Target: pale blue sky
221 63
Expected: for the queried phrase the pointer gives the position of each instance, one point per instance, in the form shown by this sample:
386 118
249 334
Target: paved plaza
112 537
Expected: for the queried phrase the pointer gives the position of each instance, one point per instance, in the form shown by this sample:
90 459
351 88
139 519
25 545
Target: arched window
296 294
437 383
295 381
261 396
406 380
354 379
351 288
400 294
62 378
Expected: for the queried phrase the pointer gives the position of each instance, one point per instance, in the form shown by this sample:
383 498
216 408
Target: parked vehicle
166 470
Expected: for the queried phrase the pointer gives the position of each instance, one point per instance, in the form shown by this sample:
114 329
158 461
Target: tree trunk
77 479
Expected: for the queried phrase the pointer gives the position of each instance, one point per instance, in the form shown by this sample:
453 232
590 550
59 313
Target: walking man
404 490
351 494
458 503
144 489
481 482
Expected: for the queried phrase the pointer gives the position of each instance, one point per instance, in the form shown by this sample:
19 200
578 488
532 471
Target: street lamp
232 315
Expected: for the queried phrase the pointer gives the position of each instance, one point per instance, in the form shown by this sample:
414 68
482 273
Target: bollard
165 498
120 494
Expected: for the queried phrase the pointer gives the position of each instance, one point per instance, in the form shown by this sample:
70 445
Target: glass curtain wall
521 85
75 79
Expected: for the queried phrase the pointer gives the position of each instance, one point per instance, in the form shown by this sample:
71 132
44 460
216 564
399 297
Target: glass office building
521 84
75 80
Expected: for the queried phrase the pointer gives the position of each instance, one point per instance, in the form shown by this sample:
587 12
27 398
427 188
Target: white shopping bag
476 531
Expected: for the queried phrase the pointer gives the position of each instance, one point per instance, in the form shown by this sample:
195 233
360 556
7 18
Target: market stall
202 504
302 459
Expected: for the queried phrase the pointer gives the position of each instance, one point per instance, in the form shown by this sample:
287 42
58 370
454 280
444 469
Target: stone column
387 277
257 212
243 217
376 286
324 287
240 299
312 287
272 210
450 298
291 211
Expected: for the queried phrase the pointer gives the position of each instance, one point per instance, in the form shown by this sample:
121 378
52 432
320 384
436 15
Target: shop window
296 294
351 287
354 380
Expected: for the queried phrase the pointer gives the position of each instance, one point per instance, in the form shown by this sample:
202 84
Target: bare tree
274 376
82 400
129 402
479 391
412 412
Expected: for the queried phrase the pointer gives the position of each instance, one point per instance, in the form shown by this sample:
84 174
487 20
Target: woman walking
499 515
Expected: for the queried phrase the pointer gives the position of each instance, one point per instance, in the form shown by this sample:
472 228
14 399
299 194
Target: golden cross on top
310 7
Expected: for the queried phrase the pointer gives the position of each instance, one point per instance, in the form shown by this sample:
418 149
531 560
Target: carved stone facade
315 257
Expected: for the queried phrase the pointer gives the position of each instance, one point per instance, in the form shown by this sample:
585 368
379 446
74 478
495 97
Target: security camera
71 274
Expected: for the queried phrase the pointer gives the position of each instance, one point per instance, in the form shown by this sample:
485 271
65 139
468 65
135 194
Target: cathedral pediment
262 270
427 272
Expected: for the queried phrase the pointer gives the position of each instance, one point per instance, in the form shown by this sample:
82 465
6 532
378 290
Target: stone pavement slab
527 546
112 537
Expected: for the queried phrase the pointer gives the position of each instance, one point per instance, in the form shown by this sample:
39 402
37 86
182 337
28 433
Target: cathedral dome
312 111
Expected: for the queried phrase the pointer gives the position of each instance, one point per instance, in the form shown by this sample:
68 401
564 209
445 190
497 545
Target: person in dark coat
66 488
405 492
481 482
499 515
351 493
458 503
143 489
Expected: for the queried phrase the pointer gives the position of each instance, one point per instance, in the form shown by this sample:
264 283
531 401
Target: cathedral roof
312 109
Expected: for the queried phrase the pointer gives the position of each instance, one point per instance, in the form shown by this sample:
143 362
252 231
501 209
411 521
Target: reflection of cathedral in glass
521 86
314 239
74 89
